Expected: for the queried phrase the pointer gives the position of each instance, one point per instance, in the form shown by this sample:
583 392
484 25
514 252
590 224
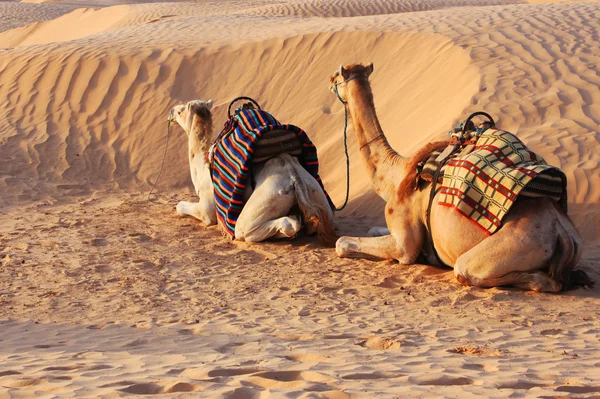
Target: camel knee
345 246
461 274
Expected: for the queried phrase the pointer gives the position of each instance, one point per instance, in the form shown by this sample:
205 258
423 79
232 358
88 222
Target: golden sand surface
104 294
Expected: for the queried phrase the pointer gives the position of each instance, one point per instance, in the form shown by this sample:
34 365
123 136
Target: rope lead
163 160
345 149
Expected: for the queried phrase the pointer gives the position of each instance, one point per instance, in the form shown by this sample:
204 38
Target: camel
536 248
281 185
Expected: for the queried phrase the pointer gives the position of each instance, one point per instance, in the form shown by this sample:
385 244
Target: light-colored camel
537 247
281 183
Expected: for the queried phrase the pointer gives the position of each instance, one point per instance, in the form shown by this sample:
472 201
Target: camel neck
377 155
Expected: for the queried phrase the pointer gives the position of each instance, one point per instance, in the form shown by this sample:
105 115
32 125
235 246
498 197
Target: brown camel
536 248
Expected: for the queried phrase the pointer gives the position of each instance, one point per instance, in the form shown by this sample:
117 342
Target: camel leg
384 247
507 259
283 227
378 231
196 210
265 213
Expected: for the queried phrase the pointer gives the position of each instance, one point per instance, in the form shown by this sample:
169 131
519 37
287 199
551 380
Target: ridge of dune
14 15
79 23
350 8
39 1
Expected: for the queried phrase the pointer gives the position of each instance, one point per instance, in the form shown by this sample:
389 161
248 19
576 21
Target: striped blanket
484 183
233 153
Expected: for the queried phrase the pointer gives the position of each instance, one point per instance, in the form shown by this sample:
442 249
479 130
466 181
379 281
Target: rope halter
336 84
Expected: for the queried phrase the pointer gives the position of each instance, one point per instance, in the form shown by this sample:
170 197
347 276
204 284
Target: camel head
349 72
191 114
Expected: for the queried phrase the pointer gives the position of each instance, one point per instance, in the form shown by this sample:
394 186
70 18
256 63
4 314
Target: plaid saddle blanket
483 183
253 136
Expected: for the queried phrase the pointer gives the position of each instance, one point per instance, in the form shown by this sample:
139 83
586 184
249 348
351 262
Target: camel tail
562 267
314 213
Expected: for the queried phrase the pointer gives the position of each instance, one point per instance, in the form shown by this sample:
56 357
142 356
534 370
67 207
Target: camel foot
181 207
197 211
535 281
375 248
289 227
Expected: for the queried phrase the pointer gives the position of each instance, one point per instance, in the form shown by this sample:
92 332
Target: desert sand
105 294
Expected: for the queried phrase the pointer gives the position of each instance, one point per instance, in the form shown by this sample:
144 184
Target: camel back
253 135
484 181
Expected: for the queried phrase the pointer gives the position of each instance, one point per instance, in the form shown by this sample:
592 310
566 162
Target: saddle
250 136
483 171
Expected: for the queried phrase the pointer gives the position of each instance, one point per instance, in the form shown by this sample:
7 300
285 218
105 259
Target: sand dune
130 299
132 93
349 8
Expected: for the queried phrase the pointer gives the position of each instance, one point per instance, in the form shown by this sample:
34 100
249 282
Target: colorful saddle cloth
233 153
484 183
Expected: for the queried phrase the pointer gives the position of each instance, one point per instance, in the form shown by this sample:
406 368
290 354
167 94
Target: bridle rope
164 155
335 85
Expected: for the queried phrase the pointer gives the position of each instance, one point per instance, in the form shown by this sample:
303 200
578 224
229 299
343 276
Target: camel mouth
176 110
333 81
171 117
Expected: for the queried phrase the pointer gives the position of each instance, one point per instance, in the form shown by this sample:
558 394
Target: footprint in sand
371 376
144 264
308 358
47 346
476 351
139 237
136 343
229 348
58 378
99 242
443 380
391 282
9 372
232 372
552 332
578 389
522 384
287 379
244 393
152 388
380 343
62 368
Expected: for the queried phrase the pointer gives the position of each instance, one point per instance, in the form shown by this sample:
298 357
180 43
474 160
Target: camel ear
369 69
344 72
189 107
190 110
209 104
